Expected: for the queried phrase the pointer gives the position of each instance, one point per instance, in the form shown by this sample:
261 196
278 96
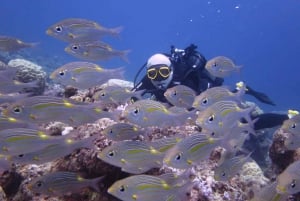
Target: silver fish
122 131
289 179
230 167
132 156
117 95
78 30
84 75
11 44
222 116
146 113
221 66
215 94
52 151
43 109
61 183
149 188
189 151
95 51
180 96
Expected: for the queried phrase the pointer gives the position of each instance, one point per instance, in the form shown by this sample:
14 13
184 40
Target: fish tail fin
238 70
33 44
123 55
95 183
116 31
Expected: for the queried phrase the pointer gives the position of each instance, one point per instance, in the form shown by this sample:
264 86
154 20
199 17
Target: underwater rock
118 83
280 157
28 72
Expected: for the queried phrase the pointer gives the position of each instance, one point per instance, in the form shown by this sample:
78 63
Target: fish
134 157
122 131
15 86
222 116
268 193
292 141
84 75
117 95
230 166
20 140
95 51
44 109
289 179
51 151
235 137
180 96
78 30
62 182
221 66
149 188
146 113
10 122
11 44
190 151
215 94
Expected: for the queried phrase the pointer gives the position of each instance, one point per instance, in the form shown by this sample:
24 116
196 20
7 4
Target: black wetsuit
189 70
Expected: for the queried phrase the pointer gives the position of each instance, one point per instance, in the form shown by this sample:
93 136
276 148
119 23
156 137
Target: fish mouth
52 76
49 31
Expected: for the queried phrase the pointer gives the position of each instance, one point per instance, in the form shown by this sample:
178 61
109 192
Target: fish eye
111 154
17 110
122 188
178 156
204 101
20 155
293 125
214 64
75 47
58 29
136 111
175 93
39 184
211 118
102 94
223 174
62 73
293 184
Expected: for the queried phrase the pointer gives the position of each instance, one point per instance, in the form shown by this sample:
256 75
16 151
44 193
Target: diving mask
158 72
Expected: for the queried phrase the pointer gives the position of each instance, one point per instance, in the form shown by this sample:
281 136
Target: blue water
263 36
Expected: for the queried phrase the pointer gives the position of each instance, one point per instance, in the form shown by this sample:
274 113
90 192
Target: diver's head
160 70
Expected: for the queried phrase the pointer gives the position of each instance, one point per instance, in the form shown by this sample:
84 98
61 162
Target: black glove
259 96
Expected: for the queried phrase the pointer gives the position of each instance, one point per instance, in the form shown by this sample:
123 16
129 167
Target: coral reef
29 72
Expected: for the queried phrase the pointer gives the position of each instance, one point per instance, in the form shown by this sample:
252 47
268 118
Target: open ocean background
261 35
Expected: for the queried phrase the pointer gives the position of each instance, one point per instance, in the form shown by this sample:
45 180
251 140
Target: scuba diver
187 67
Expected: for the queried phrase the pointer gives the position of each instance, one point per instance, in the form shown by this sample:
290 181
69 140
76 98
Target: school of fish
221 115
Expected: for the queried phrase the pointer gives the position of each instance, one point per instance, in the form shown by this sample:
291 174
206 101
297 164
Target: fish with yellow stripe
44 109
146 113
190 151
84 75
222 116
79 29
60 183
149 188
